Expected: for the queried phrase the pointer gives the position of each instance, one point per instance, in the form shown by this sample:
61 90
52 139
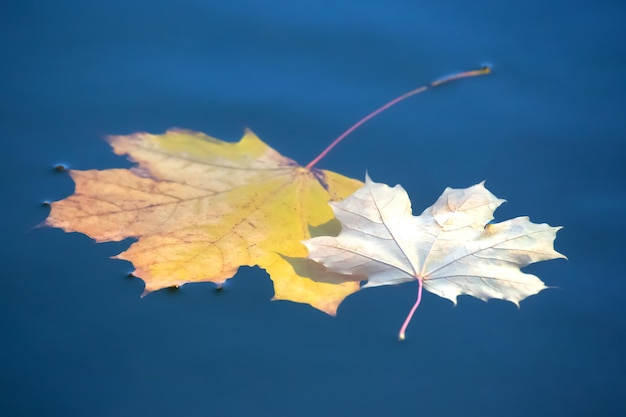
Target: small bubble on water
60 168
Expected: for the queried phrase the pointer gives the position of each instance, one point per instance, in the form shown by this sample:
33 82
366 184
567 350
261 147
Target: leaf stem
459 75
410 316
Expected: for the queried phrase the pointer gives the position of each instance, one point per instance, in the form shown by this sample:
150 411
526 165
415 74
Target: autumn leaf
201 208
450 249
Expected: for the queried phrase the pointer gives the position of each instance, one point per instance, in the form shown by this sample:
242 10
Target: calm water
546 131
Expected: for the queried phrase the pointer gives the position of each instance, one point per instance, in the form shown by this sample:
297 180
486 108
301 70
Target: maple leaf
450 249
201 207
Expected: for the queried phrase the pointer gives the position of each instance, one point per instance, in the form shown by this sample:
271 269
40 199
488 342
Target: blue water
546 130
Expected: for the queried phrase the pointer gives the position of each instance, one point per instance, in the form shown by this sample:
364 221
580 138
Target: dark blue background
546 131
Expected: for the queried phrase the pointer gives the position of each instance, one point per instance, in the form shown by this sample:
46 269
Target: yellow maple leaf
201 207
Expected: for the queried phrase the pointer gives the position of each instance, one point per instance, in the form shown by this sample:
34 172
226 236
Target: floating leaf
201 208
450 249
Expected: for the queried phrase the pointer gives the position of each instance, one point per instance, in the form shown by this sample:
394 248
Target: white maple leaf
450 249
